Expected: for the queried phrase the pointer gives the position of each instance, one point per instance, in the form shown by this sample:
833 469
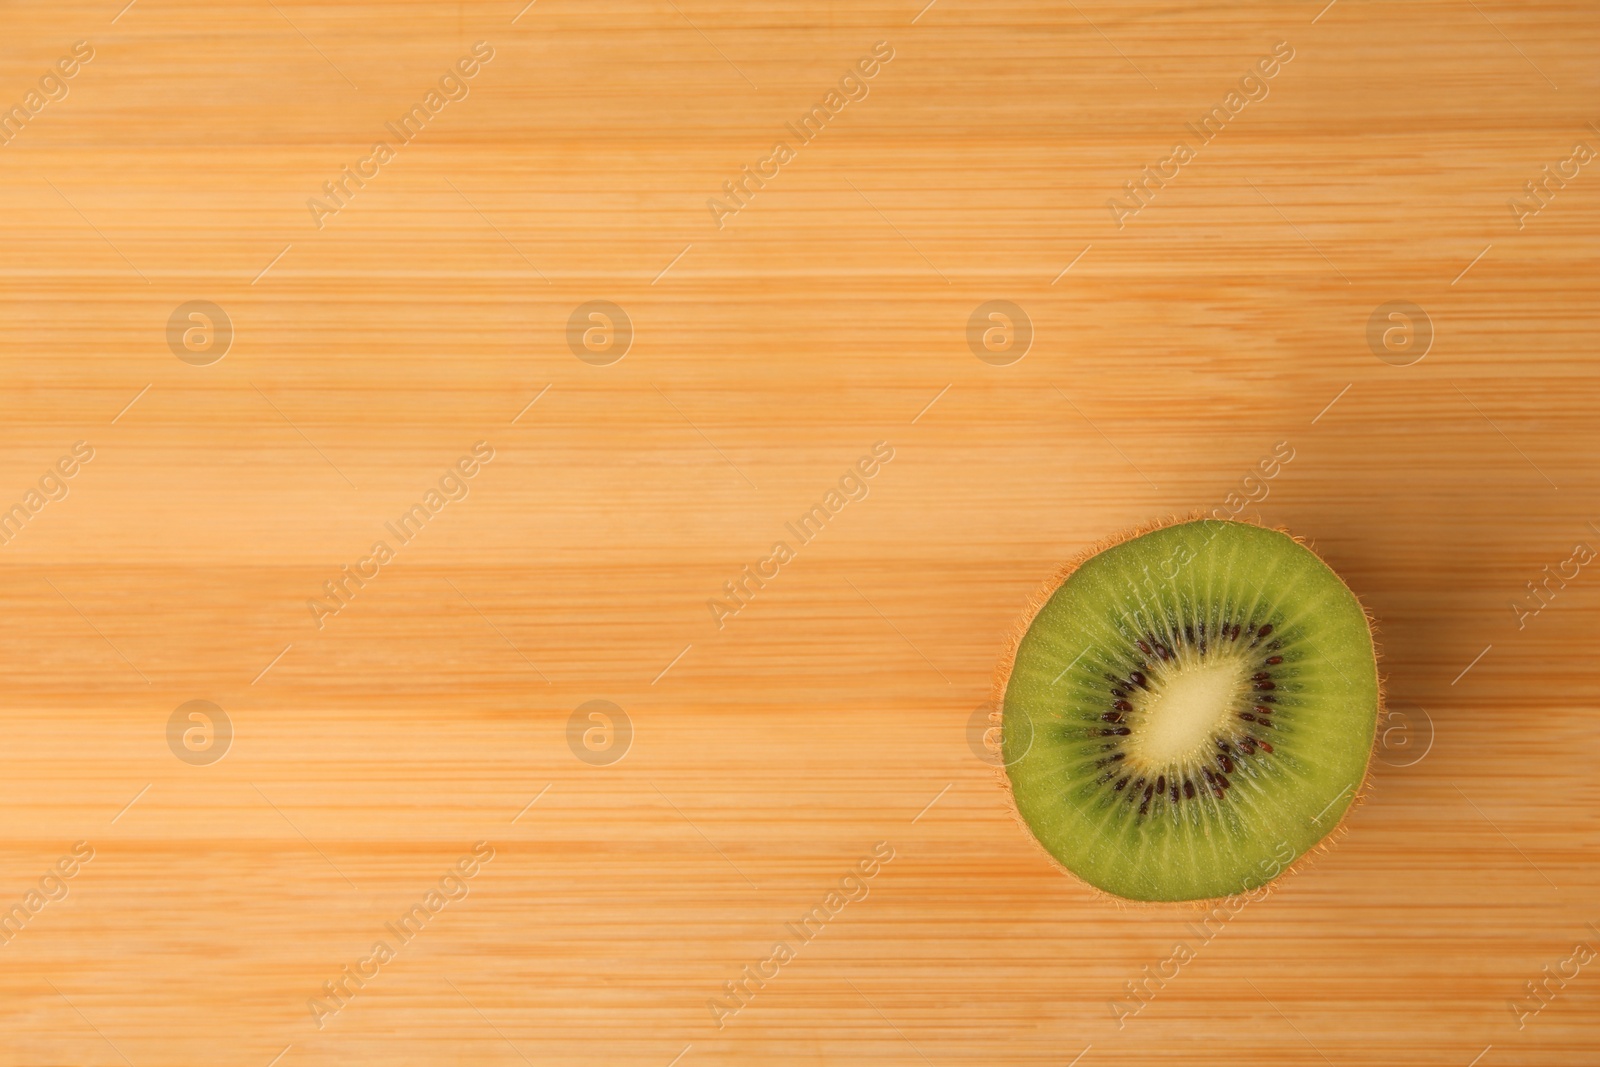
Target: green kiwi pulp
1191 711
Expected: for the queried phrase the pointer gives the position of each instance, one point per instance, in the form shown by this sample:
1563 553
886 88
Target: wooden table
358 339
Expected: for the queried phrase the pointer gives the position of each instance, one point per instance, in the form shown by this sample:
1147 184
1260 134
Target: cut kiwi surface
1191 711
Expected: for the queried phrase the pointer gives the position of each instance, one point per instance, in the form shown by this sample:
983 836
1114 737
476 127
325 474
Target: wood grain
834 710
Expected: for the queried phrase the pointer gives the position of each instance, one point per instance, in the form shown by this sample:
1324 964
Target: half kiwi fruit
1191 711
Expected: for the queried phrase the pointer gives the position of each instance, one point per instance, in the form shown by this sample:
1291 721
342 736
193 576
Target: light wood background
833 712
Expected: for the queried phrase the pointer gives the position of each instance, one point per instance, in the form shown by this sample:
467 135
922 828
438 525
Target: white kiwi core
1188 705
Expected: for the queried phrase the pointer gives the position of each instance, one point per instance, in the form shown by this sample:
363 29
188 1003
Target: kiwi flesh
1190 711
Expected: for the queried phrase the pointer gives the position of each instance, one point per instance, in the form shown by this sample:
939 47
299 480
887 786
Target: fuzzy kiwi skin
1251 879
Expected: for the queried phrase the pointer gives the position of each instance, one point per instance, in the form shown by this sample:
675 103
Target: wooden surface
835 710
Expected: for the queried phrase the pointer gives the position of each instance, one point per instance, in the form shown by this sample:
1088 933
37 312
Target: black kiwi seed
1188 789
